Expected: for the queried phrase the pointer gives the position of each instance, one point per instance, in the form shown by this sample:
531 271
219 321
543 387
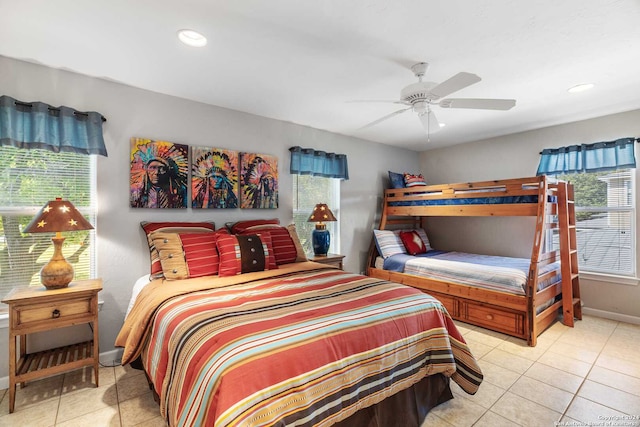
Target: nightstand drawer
52 312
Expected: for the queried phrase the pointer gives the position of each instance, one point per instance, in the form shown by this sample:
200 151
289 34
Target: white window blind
605 221
29 179
309 190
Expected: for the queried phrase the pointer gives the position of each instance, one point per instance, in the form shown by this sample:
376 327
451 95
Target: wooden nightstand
36 309
332 259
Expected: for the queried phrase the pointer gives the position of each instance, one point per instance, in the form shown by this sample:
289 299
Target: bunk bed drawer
496 318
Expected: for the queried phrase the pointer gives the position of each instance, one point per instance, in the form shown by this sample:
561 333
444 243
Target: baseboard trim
610 315
108 358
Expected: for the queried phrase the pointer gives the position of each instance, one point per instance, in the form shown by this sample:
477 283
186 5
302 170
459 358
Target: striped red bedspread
305 348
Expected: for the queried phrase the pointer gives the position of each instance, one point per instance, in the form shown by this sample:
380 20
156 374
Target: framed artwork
258 181
158 175
214 178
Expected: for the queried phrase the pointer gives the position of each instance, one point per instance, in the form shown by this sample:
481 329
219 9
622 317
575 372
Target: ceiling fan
421 96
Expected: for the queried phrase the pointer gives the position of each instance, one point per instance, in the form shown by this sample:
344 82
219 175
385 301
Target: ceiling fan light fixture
192 38
580 88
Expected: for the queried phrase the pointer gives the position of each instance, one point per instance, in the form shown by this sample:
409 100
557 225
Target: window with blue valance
307 161
38 125
597 157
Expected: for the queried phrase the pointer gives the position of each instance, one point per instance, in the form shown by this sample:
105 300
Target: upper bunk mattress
505 274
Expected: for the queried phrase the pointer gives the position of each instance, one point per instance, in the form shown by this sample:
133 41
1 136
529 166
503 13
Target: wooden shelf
54 361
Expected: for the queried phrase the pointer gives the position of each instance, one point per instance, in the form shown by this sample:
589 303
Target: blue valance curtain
600 156
307 161
38 125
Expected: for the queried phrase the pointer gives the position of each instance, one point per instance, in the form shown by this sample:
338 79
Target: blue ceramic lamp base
321 240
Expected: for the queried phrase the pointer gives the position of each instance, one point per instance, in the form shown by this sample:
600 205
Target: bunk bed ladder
571 303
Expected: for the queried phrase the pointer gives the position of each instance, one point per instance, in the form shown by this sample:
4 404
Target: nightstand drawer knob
55 314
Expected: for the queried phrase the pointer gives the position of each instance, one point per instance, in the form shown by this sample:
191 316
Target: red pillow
170 227
241 226
245 254
284 249
200 253
413 242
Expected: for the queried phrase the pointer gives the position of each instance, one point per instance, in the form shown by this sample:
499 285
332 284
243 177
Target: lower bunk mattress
504 274
305 344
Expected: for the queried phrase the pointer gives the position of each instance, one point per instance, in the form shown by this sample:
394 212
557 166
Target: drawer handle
489 316
55 314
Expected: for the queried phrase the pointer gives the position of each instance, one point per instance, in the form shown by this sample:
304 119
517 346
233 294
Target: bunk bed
551 283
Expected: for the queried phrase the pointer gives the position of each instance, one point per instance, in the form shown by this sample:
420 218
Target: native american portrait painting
258 181
159 171
214 178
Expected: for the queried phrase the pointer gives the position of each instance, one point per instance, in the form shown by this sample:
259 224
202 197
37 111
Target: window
605 221
29 179
308 191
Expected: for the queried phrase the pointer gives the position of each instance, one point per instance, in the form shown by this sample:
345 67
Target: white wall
515 156
122 248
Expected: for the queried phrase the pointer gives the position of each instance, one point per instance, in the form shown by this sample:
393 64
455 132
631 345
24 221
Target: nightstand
37 309
331 259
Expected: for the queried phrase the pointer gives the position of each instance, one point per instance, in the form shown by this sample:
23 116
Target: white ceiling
302 61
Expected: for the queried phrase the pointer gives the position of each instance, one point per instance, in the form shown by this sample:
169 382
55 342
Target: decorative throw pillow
169 227
396 179
185 255
245 254
284 248
300 255
240 226
411 180
413 242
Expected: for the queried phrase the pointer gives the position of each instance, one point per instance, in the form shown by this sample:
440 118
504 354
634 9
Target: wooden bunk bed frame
515 315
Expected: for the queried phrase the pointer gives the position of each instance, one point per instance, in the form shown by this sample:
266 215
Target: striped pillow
186 255
169 227
241 254
411 180
284 248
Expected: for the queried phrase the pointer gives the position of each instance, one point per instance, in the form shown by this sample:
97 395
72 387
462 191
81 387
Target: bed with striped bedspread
301 345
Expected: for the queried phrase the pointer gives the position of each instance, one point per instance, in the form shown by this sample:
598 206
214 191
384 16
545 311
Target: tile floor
583 376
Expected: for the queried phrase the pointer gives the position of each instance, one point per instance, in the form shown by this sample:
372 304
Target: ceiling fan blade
478 103
454 84
388 116
429 122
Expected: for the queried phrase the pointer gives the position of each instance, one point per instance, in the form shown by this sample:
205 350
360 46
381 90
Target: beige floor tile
590 412
579 353
611 397
130 387
138 410
83 378
433 420
566 364
160 422
625 351
35 393
464 328
486 396
107 417
510 361
584 339
478 349
597 324
81 402
619 365
525 412
491 419
498 375
554 377
542 393
126 371
42 414
487 337
615 379
520 348
459 412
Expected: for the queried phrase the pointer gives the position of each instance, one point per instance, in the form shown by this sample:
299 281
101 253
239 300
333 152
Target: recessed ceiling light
581 87
192 38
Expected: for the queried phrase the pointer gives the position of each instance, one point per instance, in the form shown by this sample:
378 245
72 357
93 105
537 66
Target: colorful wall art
214 178
258 181
159 171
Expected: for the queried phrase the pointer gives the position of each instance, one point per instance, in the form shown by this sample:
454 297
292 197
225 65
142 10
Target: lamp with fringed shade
320 236
55 217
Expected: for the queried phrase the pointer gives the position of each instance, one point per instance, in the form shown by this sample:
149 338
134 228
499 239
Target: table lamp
56 216
320 236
